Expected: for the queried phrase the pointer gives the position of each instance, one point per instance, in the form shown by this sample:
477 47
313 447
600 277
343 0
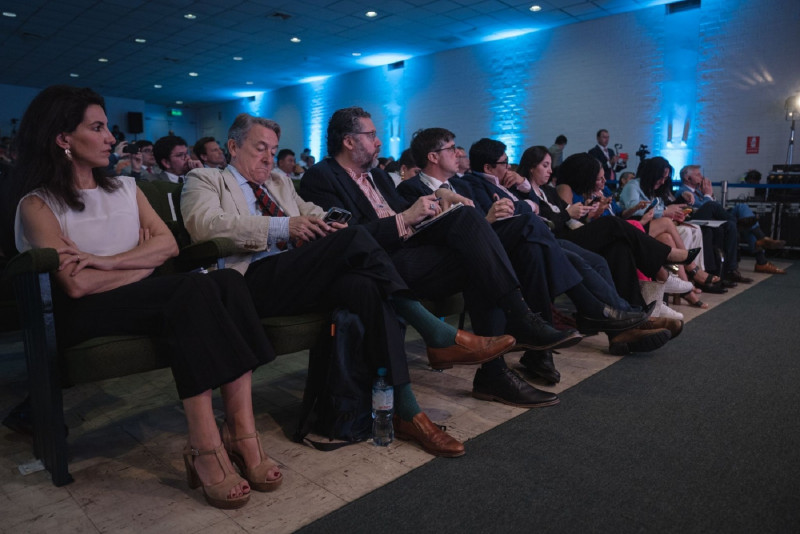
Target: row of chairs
51 369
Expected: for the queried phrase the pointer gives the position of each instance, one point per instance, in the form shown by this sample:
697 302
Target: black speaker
135 122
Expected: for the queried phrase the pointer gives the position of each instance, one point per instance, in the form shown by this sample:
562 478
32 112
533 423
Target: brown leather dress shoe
769 268
429 436
469 350
674 326
770 244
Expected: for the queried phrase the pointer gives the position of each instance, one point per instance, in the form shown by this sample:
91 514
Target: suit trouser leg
460 253
730 237
297 280
347 268
596 275
603 237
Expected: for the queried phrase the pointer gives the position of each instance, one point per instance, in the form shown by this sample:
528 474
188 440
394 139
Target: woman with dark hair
660 222
625 248
586 185
109 240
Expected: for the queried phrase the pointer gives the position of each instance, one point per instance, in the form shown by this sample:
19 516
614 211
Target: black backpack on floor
337 401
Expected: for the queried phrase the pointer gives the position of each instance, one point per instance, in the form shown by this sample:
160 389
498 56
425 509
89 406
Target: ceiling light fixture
140 40
237 58
102 60
9 14
179 102
295 39
249 83
193 74
73 75
158 86
371 14
356 54
190 16
535 8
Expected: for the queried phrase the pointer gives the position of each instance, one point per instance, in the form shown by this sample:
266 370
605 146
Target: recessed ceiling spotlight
371 14
140 40
158 86
237 58
535 8
190 16
73 75
249 83
9 14
179 102
295 39
102 60
193 74
356 54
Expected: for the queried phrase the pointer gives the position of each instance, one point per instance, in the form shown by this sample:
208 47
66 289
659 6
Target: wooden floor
126 436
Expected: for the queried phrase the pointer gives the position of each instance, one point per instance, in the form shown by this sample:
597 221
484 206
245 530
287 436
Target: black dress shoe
539 364
736 276
533 333
638 340
509 388
613 320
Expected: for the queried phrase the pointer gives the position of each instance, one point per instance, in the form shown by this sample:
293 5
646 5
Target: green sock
435 332
405 403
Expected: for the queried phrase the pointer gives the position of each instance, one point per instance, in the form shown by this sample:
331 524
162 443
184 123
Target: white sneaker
662 310
676 285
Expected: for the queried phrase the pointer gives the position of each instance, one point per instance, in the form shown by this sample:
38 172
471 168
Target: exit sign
176 112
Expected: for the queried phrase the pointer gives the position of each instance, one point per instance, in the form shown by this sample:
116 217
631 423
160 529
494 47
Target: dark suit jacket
327 184
597 154
413 188
483 193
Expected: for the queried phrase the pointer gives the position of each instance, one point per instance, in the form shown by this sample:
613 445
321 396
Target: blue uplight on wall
377 60
316 115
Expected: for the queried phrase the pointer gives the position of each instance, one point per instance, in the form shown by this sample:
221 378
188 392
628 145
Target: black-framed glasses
372 134
450 148
501 162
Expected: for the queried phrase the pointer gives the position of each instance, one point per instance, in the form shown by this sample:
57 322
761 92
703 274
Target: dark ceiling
62 41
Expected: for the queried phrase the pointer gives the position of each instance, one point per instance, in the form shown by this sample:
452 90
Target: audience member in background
697 193
109 241
142 163
210 154
172 155
557 150
660 220
603 154
696 190
286 165
463 161
403 169
304 158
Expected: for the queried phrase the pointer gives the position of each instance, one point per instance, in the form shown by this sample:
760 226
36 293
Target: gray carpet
700 436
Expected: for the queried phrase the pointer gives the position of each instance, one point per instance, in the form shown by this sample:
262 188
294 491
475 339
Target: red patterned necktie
270 207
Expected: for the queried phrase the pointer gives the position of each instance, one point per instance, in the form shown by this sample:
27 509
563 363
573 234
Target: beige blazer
213 205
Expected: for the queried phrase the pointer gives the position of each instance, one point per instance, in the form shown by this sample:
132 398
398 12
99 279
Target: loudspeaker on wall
135 122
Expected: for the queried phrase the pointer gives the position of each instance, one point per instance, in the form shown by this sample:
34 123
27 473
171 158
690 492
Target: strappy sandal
686 296
217 495
257 475
714 286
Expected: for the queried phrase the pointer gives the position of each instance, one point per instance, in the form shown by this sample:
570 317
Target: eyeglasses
372 135
147 150
450 148
501 162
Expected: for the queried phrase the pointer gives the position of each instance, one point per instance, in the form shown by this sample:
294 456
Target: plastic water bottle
382 407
